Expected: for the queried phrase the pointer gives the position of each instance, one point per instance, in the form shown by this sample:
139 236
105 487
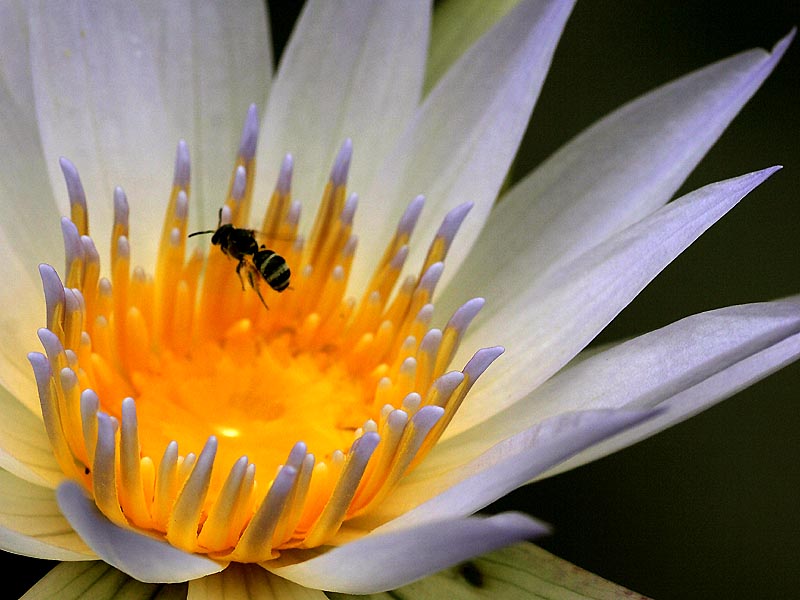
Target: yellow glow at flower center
257 397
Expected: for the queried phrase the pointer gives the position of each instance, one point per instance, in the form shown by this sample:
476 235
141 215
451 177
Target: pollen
233 403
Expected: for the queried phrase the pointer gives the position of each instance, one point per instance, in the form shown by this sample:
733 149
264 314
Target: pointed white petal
612 175
142 557
217 61
101 103
461 142
381 562
24 446
29 225
519 571
94 580
456 25
680 369
351 70
32 524
29 217
434 491
548 322
249 582
24 312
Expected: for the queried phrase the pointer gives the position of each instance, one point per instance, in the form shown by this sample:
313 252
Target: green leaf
518 572
456 25
96 580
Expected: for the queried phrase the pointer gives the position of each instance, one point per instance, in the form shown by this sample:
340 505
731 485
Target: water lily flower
290 403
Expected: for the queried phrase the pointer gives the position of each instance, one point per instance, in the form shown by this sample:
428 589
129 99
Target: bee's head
222 234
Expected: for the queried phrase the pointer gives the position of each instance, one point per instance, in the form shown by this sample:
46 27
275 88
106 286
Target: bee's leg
254 285
239 273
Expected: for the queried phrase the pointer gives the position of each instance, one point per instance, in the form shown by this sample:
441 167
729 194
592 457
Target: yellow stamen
189 410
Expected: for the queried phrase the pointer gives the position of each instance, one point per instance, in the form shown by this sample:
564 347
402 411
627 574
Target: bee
257 261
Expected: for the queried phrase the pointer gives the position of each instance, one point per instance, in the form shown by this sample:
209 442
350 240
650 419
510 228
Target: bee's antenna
201 232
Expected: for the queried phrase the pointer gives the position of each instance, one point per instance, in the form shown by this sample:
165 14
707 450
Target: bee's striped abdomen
273 269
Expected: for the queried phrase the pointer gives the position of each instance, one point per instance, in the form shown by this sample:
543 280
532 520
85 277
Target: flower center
237 403
256 396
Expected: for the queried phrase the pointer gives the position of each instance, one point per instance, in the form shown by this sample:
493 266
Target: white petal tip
40 364
297 455
249 139
466 313
73 181
481 360
782 44
182 172
409 219
285 176
452 221
427 416
293 218
239 184
341 165
349 210
50 278
431 277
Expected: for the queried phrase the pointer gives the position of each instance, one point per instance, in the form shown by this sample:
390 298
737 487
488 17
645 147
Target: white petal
142 557
94 580
29 217
680 369
351 70
612 175
24 312
381 562
100 102
14 68
217 61
249 582
32 524
24 446
436 491
461 142
22 300
548 322
117 86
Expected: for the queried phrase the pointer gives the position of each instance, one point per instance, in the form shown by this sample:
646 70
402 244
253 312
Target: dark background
709 508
